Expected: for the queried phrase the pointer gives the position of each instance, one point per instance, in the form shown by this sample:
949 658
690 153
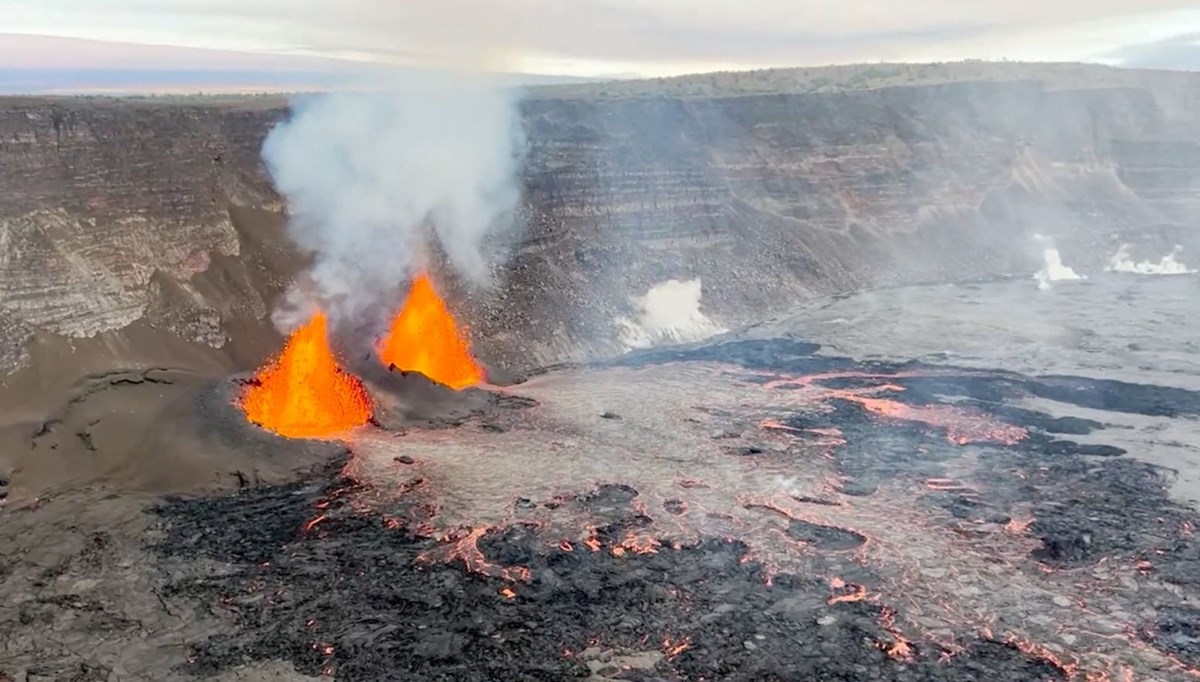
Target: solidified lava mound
408 399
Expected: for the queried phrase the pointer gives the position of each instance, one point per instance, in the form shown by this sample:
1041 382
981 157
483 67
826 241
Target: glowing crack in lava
304 393
424 338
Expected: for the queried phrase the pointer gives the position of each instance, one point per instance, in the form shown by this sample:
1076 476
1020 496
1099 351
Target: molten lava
303 393
425 339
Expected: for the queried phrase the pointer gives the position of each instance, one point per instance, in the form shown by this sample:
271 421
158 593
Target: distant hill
858 77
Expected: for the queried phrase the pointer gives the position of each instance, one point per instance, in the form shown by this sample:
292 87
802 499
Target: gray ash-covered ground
311 575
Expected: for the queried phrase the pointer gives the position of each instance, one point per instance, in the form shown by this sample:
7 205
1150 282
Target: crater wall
124 220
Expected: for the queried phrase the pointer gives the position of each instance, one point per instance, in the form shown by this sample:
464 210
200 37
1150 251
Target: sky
587 38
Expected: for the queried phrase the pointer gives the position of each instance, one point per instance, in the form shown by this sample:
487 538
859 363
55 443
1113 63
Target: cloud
49 52
1180 52
649 36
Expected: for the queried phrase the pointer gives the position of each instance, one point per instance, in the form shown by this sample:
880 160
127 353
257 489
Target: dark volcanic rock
858 488
824 537
702 612
1066 547
1176 630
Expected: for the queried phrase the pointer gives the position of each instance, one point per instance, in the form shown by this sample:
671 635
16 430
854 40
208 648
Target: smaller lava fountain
424 338
304 393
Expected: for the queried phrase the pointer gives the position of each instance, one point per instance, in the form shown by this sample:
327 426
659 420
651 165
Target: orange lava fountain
424 338
303 393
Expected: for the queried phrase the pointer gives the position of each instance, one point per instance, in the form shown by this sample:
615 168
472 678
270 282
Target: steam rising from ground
668 313
1053 269
1167 265
373 178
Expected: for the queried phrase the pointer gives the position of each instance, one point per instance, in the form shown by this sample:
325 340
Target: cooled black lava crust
348 596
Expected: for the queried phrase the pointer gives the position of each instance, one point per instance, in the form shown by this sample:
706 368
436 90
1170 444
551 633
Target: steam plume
1167 265
668 313
373 178
1054 270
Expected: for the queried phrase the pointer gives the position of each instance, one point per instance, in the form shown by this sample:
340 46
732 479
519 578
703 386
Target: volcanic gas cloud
305 393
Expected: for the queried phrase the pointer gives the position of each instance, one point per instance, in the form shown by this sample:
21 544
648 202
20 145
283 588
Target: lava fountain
424 338
304 393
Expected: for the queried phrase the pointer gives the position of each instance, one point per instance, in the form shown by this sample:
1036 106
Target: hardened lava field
748 510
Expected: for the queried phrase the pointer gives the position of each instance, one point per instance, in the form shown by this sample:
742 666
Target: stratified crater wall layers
156 213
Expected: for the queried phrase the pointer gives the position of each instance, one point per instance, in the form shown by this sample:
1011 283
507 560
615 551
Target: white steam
668 313
1167 265
374 179
1053 268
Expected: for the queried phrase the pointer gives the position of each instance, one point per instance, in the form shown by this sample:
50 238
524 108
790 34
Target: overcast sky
592 37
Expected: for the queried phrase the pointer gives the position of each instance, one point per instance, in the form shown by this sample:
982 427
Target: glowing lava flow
424 338
962 426
303 393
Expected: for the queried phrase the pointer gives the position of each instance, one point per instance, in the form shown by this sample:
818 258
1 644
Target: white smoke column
371 178
1053 269
1167 265
668 313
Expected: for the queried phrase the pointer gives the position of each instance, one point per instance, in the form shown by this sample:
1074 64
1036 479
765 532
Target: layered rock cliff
130 225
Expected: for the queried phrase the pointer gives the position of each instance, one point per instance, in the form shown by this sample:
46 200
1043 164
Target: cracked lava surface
746 510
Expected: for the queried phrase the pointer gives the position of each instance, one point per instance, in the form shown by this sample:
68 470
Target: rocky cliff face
156 217
110 211
773 198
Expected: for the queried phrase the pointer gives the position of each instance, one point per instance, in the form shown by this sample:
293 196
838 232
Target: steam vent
881 372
